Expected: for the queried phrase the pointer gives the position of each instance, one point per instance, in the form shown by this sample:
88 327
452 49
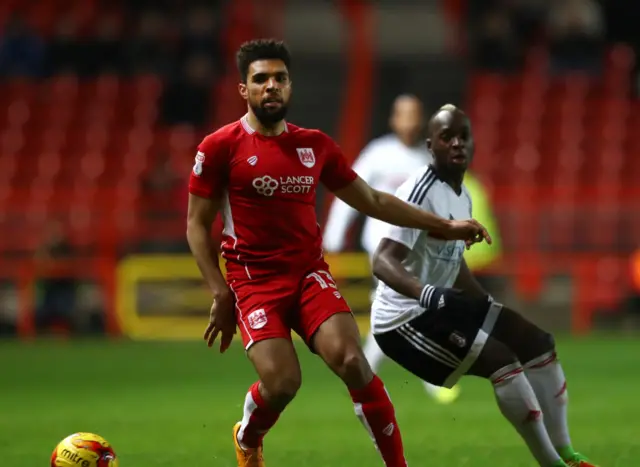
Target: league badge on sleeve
307 157
197 167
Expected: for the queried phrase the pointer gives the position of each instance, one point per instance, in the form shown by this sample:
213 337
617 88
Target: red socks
258 418
372 405
376 413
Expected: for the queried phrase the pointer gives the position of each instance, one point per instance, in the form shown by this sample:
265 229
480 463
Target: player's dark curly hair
261 49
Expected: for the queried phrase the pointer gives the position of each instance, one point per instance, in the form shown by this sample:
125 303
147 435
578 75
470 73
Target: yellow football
84 450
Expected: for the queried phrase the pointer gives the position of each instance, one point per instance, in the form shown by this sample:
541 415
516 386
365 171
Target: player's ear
244 92
429 144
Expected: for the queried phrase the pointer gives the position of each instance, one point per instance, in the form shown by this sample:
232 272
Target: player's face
407 120
451 141
267 90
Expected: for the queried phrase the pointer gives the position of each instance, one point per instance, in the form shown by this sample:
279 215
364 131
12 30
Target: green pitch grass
173 404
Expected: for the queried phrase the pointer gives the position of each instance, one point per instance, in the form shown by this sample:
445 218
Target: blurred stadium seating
558 154
78 150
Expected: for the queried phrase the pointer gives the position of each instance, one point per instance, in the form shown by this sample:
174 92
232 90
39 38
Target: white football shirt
432 260
385 163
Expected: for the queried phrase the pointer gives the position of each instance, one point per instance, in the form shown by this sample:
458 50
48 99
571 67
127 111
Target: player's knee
494 356
353 368
282 390
546 341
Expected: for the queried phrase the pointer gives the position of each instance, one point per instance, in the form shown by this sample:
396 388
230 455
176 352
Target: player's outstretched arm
392 210
388 268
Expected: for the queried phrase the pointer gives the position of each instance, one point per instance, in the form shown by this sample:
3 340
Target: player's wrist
448 226
426 295
220 292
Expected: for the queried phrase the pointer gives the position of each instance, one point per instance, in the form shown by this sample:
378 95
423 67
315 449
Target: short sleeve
211 168
467 193
404 235
336 172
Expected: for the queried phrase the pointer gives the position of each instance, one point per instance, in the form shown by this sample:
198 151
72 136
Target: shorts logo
257 319
457 339
265 186
197 167
307 157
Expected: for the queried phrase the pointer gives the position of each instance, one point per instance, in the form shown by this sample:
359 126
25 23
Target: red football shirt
268 187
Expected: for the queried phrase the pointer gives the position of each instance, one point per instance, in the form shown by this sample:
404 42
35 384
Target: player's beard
269 117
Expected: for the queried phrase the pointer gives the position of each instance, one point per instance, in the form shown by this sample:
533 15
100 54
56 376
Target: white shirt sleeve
341 215
464 188
404 235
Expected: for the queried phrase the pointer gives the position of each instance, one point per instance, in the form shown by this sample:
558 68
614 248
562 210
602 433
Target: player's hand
222 320
471 231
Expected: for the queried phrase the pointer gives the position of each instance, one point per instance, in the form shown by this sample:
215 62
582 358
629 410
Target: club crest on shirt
197 167
306 156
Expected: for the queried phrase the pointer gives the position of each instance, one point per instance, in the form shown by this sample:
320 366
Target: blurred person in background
200 35
497 46
167 199
104 50
528 18
149 51
187 99
65 51
9 310
576 35
57 295
631 303
385 163
22 51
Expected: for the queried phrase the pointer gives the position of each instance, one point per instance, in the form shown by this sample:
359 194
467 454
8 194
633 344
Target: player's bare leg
337 341
536 348
373 353
278 368
516 399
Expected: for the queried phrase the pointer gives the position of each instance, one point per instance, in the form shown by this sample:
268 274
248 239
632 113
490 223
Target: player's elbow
196 228
379 265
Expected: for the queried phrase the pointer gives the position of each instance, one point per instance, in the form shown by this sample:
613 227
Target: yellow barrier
137 269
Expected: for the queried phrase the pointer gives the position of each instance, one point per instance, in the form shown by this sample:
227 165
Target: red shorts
272 307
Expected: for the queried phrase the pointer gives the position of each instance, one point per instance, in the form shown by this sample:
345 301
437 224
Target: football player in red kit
261 173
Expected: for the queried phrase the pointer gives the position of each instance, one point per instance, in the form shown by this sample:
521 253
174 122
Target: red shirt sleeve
336 171
211 168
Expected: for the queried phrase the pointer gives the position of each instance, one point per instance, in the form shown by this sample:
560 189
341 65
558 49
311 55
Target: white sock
550 385
519 405
373 353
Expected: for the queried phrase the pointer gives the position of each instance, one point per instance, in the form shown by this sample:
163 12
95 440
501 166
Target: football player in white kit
433 318
385 163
